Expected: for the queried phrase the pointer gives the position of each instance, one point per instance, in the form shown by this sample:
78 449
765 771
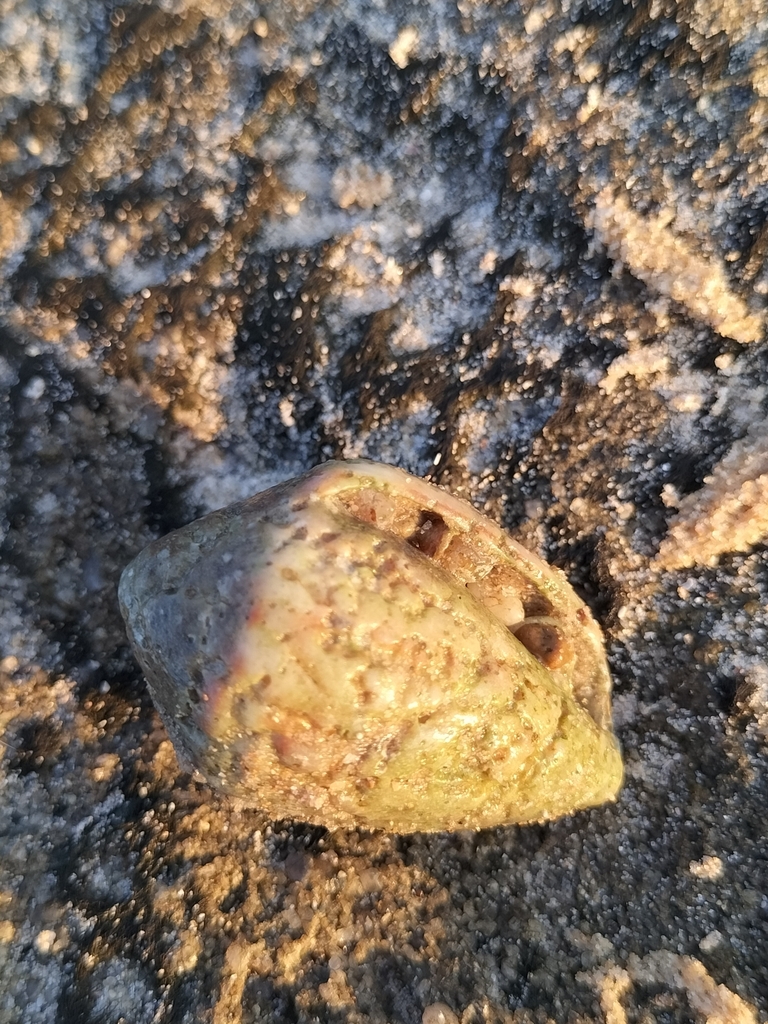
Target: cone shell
358 648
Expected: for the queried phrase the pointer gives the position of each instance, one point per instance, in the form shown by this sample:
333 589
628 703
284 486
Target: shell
359 648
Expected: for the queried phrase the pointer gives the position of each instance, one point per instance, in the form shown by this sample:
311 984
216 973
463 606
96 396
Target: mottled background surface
518 247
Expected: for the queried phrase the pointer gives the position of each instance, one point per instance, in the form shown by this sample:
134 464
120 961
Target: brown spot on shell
545 642
429 534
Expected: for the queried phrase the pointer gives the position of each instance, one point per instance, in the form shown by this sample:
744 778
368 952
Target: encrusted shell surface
359 648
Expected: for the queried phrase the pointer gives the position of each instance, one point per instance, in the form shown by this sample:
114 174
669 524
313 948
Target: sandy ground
518 248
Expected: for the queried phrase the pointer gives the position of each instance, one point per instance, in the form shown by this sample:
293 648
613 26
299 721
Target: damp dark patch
235 898
164 510
378 95
75 1004
275 1001
290 836
38 746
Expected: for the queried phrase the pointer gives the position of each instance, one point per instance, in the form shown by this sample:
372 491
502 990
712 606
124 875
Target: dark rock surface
517 247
